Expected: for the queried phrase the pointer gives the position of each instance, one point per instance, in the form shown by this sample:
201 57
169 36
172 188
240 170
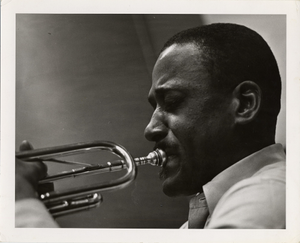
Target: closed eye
172 101
167 99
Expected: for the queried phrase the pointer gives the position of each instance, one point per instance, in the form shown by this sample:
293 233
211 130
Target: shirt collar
243 169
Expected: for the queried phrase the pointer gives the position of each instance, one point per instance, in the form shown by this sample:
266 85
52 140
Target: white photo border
9 9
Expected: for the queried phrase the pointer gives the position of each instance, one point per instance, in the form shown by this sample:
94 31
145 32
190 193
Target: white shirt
248 194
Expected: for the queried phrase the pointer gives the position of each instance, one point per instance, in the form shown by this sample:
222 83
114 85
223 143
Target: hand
28 175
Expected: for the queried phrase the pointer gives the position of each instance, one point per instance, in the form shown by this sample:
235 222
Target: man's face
190 122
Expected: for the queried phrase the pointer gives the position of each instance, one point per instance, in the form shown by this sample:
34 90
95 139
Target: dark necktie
198 212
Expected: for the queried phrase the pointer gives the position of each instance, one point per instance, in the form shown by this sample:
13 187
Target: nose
156 129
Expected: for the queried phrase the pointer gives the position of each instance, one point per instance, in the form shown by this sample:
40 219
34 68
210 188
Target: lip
170 157
167 160
170 166
170 151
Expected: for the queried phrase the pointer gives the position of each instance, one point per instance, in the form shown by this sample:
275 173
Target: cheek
197 135
188 132
184 128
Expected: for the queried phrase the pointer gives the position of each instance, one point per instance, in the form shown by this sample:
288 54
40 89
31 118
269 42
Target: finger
25 145
32 171
43 170
40 168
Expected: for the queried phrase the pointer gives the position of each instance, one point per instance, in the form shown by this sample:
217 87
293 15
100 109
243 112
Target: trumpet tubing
87 196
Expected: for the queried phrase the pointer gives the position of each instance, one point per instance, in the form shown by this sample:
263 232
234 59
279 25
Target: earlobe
247 96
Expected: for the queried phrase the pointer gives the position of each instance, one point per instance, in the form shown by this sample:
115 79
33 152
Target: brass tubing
50 199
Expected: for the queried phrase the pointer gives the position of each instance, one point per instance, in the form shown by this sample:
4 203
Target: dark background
86 77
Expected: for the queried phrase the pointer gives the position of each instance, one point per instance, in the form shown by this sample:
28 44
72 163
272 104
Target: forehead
179 65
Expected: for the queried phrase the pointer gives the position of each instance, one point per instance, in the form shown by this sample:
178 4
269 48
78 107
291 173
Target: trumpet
64 202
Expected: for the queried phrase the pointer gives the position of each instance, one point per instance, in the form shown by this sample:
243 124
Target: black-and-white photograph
150 121
214 91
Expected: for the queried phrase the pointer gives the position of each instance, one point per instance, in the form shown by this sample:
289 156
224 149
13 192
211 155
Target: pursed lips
170 167
171 154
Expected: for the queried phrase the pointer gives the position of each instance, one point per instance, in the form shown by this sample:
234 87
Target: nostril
155 134
156 129
148 133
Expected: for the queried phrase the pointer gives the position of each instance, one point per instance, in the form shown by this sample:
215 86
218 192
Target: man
216 96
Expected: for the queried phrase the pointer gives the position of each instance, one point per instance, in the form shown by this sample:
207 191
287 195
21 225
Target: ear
247 97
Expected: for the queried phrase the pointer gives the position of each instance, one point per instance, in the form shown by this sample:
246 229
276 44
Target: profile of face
191 121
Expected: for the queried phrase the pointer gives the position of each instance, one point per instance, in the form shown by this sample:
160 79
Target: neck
250 144
241 149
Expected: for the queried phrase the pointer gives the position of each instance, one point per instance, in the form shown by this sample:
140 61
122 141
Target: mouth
170 166
171 163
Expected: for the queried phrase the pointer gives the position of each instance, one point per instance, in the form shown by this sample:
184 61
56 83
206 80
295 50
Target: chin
170 193
173 188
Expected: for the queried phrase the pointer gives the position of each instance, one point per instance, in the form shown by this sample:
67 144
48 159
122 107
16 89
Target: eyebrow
162 90
170 86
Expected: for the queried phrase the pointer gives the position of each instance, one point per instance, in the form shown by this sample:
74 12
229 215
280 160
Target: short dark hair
232 54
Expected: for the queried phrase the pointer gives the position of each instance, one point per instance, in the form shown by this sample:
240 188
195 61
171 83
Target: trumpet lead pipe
155 158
